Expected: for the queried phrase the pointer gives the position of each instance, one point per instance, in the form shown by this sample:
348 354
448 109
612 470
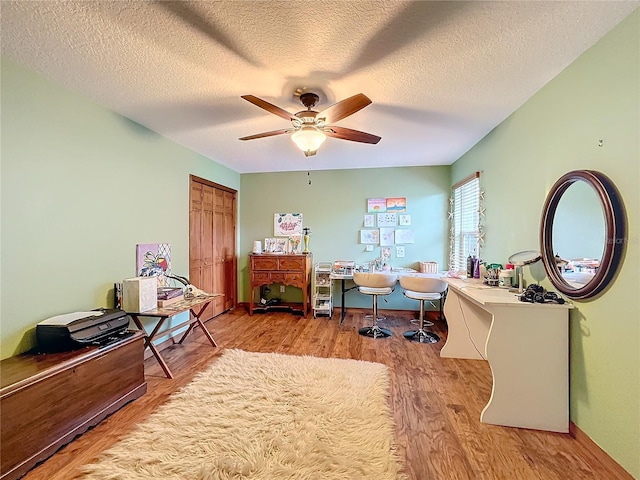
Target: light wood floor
436 402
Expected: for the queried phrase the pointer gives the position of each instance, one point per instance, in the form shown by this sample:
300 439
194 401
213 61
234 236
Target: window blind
465 221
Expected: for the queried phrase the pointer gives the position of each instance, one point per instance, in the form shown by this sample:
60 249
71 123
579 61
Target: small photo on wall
404 236
386 236
397 204
376 205
370 236
404 219
386 219
369 220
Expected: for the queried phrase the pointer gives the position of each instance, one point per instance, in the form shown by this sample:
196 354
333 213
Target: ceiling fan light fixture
308 139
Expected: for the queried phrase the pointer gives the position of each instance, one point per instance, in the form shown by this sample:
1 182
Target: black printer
80 329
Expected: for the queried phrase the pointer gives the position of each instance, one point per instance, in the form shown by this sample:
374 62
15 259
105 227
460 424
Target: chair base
421 336
427 323
375 331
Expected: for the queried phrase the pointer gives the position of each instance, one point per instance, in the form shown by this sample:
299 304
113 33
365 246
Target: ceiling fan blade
268 134
345 107
349 134
269 107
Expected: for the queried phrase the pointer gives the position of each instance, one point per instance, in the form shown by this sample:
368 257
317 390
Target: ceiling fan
309 128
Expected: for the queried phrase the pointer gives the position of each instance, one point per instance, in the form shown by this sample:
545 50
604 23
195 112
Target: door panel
212 244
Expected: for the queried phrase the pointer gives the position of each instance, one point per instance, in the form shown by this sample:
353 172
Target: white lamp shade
308 138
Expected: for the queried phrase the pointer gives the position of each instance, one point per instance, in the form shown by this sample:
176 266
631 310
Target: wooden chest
48 399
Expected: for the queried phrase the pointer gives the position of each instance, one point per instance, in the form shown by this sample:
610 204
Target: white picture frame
404 219
386 219
287 224
369 220
369 236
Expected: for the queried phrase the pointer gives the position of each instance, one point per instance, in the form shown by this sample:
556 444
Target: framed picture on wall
396 204
376 205
386 236
369 220
404 219
404 236
370 236
386 219
286 224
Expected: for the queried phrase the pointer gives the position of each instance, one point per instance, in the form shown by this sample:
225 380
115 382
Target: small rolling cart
322 289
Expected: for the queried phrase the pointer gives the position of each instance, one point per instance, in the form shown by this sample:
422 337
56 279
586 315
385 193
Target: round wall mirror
582 234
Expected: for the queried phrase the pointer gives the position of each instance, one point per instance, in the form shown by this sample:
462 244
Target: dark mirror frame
615 233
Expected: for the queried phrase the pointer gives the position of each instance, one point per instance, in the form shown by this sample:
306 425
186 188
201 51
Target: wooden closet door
218 245
195 234
212 244
228 251
208 247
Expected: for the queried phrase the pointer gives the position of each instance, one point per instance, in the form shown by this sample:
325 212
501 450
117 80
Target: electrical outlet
281 288
369 248
400 252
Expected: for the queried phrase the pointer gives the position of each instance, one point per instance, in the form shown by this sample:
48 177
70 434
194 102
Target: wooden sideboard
294 270
48 399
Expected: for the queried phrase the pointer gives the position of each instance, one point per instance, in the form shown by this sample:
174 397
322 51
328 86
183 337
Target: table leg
252 289
148 342
342 310
197 321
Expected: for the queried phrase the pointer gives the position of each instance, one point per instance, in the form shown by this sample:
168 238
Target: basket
428 267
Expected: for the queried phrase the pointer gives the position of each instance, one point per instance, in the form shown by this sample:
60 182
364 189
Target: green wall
81 186
595 98
334 205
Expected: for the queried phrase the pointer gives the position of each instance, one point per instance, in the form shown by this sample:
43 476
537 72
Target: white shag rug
265 416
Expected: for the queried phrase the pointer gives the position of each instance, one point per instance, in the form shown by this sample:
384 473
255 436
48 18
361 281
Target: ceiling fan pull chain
309 176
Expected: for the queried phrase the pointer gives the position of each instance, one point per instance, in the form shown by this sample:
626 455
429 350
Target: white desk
527 346
343 277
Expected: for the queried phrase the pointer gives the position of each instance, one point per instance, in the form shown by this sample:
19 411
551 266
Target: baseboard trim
595 450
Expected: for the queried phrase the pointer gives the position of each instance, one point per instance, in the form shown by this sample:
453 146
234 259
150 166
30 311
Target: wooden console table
294 270
192 305
527 347
48 399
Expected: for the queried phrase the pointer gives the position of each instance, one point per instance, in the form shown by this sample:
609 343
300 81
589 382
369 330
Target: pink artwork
397 204
154 260
376 205
287 224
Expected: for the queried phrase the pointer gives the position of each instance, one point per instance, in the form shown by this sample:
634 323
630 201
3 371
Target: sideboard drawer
291 263
278 277
294 278
265 263
261 277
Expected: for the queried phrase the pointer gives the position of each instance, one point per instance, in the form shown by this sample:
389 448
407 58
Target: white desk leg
528 356
468 328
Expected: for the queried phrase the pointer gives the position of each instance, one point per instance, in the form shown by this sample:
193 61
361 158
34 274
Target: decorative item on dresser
294 270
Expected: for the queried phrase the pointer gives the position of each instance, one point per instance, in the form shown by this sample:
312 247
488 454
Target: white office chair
375 284
424 289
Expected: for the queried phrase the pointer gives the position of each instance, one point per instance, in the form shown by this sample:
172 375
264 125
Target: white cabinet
322 289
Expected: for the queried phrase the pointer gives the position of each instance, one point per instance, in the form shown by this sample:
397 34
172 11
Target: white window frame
466 231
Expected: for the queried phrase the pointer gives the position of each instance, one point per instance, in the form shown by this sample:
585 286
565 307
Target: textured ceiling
441 75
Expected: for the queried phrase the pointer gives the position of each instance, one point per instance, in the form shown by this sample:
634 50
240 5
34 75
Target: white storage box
139 294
